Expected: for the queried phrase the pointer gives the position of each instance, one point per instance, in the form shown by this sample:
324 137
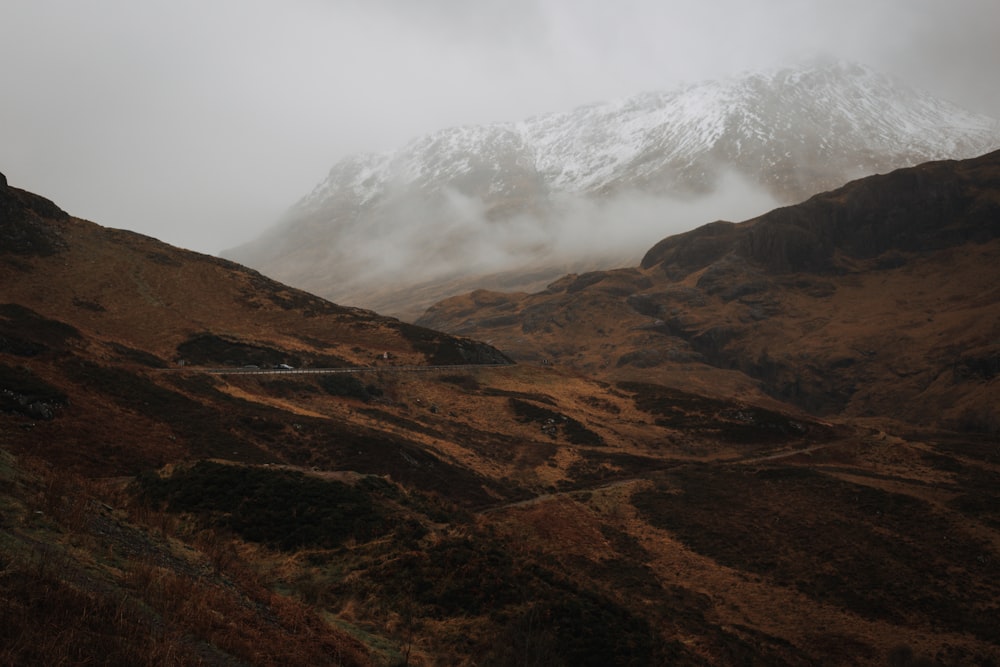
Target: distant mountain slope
126 288
599 183
878 298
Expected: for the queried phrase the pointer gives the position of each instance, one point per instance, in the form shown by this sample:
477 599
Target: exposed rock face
22 227
465 203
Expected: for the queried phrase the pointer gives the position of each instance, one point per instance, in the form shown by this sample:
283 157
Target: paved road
346 369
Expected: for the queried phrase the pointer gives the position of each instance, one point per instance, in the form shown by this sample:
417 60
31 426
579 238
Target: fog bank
409 242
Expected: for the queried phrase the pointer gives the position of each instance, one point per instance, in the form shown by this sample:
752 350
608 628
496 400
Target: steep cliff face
530 196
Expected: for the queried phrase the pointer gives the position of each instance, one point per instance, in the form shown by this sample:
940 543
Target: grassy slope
509 515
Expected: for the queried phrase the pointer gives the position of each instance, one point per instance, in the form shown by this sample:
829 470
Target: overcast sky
200 121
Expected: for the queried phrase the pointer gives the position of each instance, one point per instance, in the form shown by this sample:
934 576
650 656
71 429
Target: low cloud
200 122
630 223
410 242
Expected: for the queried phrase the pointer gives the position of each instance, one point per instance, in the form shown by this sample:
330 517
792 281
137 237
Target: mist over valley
474 206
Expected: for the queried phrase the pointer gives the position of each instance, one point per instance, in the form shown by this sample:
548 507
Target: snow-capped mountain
609 177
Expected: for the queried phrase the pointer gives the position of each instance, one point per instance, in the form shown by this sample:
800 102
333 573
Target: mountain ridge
560 145
475 200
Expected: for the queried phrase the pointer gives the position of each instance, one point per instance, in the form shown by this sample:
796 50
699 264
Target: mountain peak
468 200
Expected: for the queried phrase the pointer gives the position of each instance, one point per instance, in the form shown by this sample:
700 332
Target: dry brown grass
513 534
79 585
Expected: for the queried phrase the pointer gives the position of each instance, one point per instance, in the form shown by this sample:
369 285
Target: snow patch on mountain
830 110
606 176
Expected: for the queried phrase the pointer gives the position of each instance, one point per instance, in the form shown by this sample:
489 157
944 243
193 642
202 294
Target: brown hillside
877 299
443 507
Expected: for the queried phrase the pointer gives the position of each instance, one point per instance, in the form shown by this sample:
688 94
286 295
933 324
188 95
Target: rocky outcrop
23 230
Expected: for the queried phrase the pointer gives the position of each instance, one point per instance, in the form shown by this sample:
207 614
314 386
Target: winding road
345 369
